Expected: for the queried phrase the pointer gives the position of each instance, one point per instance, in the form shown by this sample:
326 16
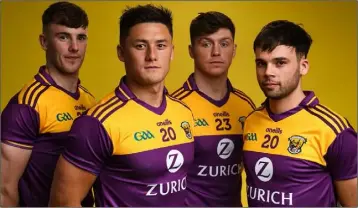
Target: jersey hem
346 177
15 144
70 160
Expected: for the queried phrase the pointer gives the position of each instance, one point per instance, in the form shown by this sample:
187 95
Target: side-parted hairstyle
148 13
283 32
208 23
66 14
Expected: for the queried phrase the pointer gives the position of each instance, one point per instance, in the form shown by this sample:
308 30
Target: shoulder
329 118
244 97
178 102
182 92
31 93
84 91
106 107
256 112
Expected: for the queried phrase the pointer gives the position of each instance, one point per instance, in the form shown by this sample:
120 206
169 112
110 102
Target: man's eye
206 44
140 46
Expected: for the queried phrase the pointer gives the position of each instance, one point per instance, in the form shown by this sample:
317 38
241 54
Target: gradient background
332 26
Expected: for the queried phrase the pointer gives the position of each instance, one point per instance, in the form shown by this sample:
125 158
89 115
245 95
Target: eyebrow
259 60
209 39
62 33
275 59
146 41
68 34
281 59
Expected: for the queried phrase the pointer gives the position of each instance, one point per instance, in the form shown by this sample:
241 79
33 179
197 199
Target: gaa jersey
292 159
214 179
139 153
39 118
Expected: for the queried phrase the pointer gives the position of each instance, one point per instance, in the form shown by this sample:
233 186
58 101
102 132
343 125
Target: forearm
63 194
63 199
70 185
9 196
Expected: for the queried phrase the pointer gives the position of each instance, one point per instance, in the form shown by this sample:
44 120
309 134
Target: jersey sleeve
341 156
19 125
88 146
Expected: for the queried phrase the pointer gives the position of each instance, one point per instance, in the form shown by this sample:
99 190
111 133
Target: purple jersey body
293 159
215 177
39 118
139 153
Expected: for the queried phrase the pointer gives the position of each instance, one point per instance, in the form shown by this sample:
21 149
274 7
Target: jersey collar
45 78
125 94
190 84
310 100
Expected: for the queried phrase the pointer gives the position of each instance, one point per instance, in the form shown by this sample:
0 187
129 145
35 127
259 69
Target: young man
297 152
36 121
138 142
219 110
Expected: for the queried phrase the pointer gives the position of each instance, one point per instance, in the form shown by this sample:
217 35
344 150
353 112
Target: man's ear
304 66
120 53
191 53
172 54
43 41
234 52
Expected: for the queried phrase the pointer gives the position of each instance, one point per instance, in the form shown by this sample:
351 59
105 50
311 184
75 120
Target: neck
214 87
66 81
152 95
287 103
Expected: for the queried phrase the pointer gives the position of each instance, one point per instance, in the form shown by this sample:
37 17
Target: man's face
213 53
147 53
279 71
65 47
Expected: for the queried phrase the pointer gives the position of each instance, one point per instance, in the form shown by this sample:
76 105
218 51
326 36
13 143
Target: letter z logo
174 160
264 169
225 148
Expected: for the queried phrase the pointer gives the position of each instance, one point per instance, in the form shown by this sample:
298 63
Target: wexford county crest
295 144
186 127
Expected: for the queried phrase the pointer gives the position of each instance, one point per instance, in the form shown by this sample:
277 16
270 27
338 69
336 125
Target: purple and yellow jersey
139 153
292 159
39 118
214 179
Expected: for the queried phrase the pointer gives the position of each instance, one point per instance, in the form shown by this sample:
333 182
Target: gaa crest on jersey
295 144
186 127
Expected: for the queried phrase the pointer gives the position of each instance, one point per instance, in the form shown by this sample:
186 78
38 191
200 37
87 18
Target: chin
71 70
274 95
215 72
151 80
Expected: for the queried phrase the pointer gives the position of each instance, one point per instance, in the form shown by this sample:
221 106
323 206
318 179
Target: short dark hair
283 32
207 23
66 14
148 13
